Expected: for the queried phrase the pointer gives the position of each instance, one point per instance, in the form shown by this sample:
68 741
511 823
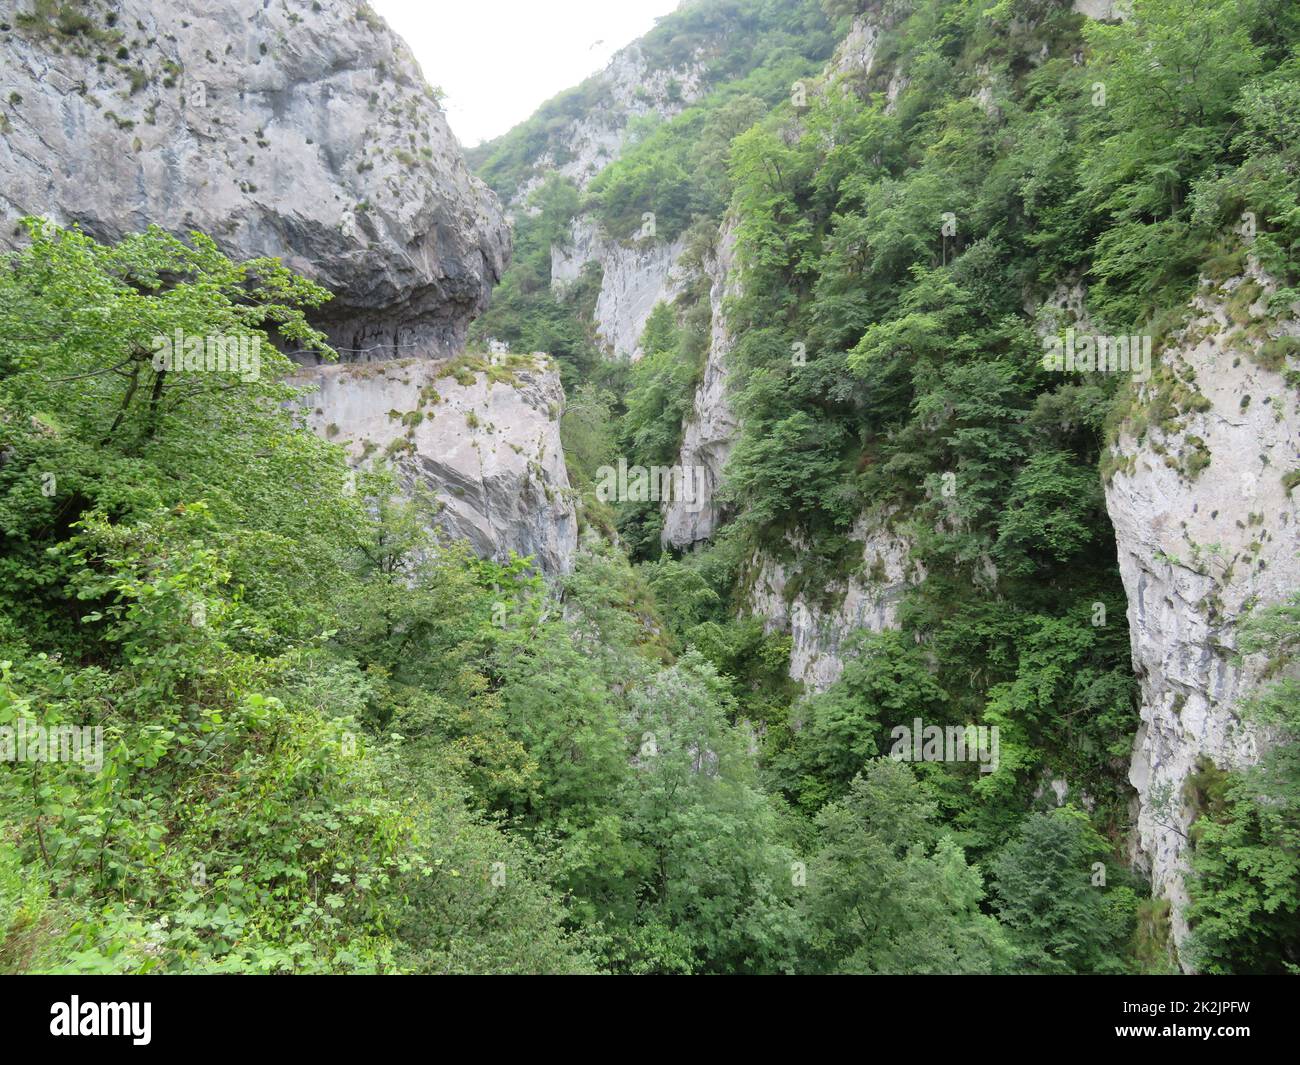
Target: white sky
497 60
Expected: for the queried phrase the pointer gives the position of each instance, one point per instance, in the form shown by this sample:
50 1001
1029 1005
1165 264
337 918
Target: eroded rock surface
819 624
710 429
297 129
485 442
635 276
1207 530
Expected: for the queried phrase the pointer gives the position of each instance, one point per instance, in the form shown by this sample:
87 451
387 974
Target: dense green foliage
190 571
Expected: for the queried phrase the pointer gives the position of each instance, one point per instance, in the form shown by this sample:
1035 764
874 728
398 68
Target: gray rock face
585 245
489 450
304 131
868 600
1197 551
634 277
710 429
294 129
857 52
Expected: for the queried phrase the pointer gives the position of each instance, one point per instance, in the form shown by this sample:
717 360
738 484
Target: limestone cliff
710 428
481 434
819 621
635 276
297 129
1208 528
303 130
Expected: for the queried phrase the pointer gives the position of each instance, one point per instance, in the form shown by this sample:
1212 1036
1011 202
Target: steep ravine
1199 546
312 136
1197 551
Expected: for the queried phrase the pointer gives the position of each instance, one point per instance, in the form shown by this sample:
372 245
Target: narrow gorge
1197 552
954 350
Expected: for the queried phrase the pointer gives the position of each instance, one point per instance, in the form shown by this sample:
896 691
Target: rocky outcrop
629 88
709 432
303 130
298 129
818 627
1207 530
481 434
856 54
635 276
585 245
